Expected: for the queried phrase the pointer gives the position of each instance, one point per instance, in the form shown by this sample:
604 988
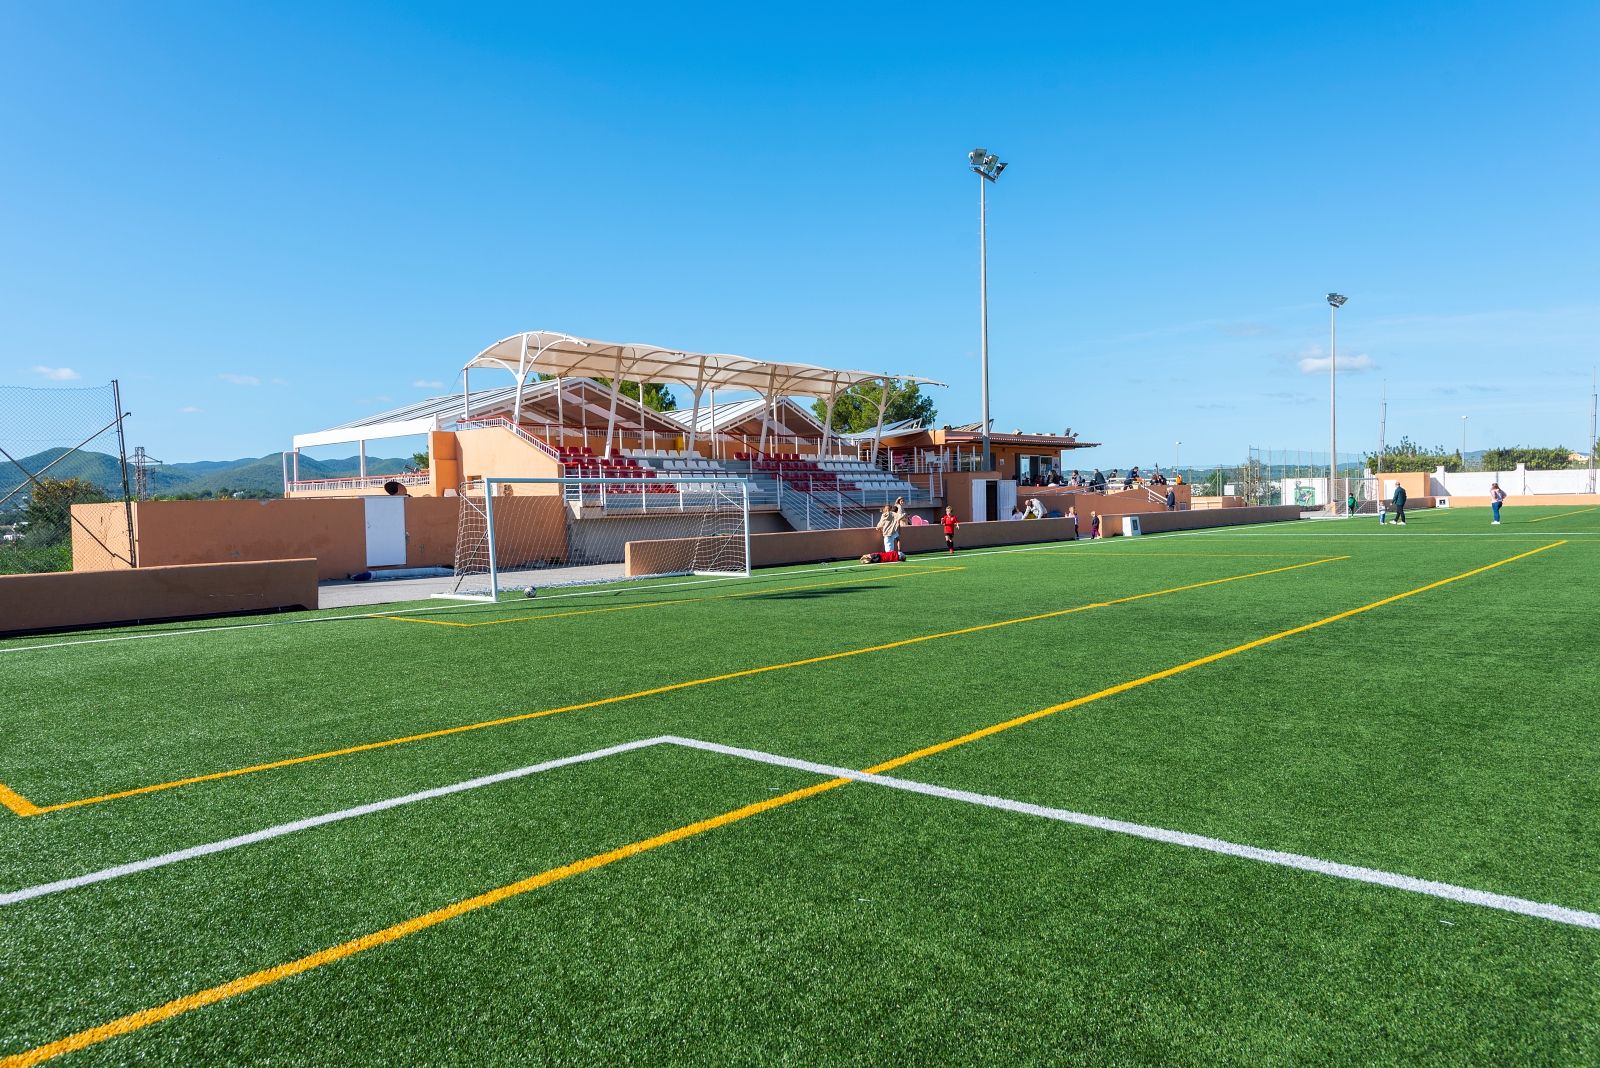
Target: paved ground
353 594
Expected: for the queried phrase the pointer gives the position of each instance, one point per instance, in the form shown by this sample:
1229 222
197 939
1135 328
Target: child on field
1072 514
1094 525
948 520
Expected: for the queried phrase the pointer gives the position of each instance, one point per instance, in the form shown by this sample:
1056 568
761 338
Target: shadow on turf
808 595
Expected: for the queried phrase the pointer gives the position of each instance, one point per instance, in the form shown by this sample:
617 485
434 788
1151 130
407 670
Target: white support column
827 423
640 383
694 417
297 465
611 417
883 404
561 410
466 393
716 441
362 445
766 402
522 378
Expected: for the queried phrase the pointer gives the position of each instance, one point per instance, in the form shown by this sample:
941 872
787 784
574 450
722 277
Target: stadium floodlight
987 166
1335 302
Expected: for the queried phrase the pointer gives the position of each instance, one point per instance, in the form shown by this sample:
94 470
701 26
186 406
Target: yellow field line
878 576
653 691
1563 515
18 804
211 995
266 976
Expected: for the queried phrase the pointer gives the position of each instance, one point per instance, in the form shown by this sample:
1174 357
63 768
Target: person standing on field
948 520
1496 495
1400 504
889 525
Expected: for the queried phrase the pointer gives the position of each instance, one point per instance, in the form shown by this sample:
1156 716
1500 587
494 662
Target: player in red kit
950 524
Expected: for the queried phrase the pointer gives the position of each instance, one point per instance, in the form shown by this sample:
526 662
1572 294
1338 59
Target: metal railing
506 424
324 485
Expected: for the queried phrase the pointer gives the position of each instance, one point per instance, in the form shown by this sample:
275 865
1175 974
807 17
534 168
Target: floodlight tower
988 168
1335 302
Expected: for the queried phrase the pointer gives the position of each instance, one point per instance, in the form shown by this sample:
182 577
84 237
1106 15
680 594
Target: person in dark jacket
1400 504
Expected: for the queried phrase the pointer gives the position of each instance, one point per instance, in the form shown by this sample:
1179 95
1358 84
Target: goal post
526 534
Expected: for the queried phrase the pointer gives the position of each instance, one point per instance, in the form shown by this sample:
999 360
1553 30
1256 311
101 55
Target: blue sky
274 218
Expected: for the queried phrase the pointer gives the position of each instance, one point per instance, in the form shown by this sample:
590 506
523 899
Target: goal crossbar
530 532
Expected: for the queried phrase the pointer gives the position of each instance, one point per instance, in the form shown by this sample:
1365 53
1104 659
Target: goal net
520 535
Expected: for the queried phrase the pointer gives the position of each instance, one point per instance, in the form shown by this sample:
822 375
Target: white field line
543 599
1354 873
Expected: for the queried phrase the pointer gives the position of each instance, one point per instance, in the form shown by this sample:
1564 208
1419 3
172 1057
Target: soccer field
1309 791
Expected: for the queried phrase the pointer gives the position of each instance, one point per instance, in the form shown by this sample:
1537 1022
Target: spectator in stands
1130 479
1172 499
395 488
1097 481
1054 479
1076 481
1016 511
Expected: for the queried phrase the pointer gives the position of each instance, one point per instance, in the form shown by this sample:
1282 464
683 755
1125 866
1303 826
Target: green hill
249 474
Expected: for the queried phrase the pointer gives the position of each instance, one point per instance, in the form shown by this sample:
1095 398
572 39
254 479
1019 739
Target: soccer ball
530 592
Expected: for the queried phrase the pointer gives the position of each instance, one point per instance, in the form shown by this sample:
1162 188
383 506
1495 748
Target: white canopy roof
551 353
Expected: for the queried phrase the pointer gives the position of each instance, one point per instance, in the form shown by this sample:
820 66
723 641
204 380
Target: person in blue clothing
1496 496
1400 504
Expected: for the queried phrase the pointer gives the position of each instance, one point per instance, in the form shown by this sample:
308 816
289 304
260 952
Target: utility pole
1594 431
1335 302
988 167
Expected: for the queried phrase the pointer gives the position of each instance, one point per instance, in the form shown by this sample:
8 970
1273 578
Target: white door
386 531
1008 498
980 500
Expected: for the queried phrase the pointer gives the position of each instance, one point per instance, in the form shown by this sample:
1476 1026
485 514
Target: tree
657 396
50 504
419 460
1538 459
1409 456
857 407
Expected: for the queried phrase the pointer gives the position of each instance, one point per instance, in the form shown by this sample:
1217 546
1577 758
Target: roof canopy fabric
562 355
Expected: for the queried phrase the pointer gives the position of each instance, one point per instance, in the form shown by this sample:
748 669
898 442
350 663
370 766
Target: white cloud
56 374
1312 362
280 381
240 380
189 409
424 383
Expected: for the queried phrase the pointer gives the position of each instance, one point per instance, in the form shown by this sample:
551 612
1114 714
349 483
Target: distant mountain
249 473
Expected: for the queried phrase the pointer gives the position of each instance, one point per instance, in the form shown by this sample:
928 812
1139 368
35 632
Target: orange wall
330 529
83 598
108 523
813 546
1200 518
1573 500
497 452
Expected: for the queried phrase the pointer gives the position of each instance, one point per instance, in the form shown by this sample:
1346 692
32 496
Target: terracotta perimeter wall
82 598
333 530
816 546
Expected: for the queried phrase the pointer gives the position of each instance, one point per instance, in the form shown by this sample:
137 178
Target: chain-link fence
59 448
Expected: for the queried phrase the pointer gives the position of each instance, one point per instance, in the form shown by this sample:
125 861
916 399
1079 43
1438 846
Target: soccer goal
527 534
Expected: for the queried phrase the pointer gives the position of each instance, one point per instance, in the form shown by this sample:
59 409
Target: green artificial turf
1448 735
